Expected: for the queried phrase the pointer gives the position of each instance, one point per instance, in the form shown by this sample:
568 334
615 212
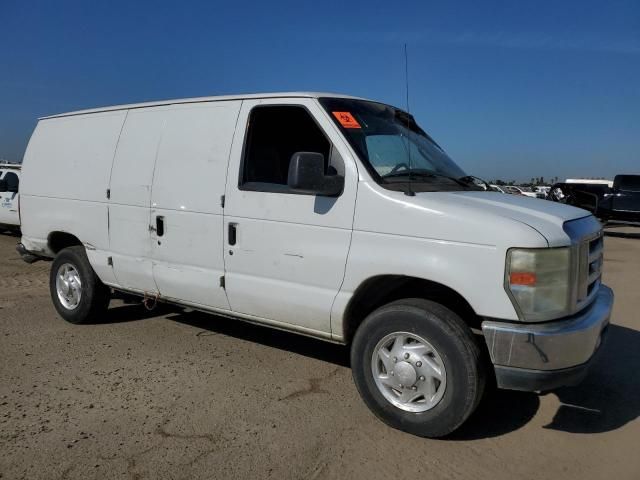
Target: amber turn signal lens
527 279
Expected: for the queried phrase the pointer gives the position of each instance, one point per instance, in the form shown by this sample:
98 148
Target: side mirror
3 186
306 175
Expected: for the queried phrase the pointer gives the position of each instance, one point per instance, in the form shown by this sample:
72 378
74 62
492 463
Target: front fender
475 271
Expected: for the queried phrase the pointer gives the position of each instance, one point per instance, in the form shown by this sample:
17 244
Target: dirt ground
182 395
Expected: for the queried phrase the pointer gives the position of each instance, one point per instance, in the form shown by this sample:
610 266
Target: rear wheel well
60 240
378 291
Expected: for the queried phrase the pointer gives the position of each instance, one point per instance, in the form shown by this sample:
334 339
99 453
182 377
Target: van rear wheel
418 367
77 293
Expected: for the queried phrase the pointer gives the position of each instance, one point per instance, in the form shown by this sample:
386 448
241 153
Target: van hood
467 217
544 216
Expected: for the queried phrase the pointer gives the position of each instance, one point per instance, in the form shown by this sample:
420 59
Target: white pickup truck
330 216
9 196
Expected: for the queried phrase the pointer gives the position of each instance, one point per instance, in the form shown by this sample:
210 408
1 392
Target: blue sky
510 89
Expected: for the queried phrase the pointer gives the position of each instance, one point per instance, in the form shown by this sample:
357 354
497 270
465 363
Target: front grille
590 258
587 248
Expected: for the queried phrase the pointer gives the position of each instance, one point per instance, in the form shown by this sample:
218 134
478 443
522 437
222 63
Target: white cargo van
9 196
327 215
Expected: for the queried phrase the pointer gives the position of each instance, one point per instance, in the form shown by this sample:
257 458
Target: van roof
203 99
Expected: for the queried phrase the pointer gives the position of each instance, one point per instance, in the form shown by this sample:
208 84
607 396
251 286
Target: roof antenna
409 192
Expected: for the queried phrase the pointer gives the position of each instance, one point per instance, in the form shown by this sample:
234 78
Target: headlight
539 282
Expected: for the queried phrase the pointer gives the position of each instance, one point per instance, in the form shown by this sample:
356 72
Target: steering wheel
398 167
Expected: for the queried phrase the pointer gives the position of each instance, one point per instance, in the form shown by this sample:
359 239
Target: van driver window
274 134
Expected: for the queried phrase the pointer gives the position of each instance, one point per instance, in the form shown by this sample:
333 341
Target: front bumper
544 356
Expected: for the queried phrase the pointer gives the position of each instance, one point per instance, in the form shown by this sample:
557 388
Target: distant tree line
535 182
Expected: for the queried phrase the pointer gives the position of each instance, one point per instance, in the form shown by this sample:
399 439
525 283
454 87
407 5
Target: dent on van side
326 215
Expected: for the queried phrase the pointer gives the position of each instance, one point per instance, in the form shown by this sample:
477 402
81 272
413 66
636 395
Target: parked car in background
526 191
590 181
260 221
9 196
618 203
542 189
497 188
512 190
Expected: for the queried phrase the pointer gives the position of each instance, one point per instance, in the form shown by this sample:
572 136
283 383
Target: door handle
232 233
159 225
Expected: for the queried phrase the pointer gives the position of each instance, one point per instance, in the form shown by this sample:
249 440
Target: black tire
457 347
95 295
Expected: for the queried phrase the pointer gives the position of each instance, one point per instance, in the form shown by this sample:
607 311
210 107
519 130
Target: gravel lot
170 394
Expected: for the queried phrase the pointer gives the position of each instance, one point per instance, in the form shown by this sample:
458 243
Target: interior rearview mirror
307 175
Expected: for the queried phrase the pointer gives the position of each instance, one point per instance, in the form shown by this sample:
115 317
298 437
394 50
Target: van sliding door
130 198
186 210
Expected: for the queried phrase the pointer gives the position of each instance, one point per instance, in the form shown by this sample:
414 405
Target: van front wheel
77 293
418 367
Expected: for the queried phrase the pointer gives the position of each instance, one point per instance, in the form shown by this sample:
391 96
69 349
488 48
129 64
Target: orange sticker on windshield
346 119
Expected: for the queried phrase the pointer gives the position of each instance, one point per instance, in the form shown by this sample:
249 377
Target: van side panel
188 184
130 203
65 178
70 157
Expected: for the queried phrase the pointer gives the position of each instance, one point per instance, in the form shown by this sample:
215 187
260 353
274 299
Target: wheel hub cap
405 374
409 372
68 286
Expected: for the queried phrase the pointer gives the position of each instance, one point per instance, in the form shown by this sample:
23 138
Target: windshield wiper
422 173
471 180
411 173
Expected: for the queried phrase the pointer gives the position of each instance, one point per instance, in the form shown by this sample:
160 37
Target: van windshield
393 148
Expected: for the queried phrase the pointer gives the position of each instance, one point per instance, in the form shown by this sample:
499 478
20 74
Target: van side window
12 181
274 134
